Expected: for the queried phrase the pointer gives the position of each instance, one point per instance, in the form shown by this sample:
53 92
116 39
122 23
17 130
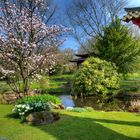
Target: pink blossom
27 43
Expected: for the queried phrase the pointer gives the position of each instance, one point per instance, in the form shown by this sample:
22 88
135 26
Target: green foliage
118 46
31 104
96 76
44 84
58 69
132 76
23 110
40 98
89 109
4 87
69 69
130 83
60 83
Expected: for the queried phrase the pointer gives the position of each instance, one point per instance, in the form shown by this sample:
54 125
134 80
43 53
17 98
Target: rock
62 106
69 108
9 98
56 116
31 93
54 106
43 117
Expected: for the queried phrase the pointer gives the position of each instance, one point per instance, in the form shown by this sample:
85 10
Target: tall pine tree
118 46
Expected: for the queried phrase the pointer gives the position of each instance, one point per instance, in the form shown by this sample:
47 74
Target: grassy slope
74 126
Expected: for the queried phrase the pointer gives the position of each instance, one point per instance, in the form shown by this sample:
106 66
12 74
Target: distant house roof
132 14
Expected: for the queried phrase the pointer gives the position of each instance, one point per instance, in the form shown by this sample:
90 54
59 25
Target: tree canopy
118 46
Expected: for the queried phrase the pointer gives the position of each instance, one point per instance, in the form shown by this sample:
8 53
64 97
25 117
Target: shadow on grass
12 116
76 128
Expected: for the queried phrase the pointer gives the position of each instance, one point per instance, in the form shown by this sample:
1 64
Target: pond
67 100
113 104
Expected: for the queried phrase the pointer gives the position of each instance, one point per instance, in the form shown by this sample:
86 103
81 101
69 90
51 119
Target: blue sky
134 3
71 42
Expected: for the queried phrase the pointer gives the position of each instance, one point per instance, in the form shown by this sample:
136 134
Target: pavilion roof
78 60
82 55
132 14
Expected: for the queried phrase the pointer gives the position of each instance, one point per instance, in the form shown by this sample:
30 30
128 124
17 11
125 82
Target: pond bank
113 104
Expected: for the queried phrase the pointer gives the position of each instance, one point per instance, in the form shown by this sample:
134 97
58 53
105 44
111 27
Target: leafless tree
89 17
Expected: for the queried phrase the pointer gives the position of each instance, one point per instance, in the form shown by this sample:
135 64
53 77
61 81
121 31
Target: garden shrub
23 110
89 109
31 104
40 98
96 76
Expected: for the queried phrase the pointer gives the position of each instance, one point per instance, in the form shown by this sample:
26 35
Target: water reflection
115 104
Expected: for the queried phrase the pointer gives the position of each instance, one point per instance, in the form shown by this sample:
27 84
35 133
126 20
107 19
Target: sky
71 42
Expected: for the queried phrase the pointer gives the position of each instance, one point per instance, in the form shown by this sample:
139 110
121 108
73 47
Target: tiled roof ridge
132 9
131 14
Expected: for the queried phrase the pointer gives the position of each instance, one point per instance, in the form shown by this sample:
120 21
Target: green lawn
52 84
131 83
58 84
74 126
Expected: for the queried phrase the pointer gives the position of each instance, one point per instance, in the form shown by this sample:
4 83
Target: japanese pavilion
80 58
133 14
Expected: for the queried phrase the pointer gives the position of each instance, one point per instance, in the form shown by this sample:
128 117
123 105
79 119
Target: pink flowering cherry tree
27 44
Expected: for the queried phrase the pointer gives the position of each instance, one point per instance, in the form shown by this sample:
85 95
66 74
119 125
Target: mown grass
131 82
52 84
74 126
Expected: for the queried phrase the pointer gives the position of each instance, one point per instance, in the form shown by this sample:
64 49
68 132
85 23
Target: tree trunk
82 97
25 86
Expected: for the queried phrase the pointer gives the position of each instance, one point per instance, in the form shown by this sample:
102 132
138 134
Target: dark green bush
40 98
96 76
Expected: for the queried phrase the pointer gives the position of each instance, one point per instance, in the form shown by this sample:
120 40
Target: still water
67 100
115 104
